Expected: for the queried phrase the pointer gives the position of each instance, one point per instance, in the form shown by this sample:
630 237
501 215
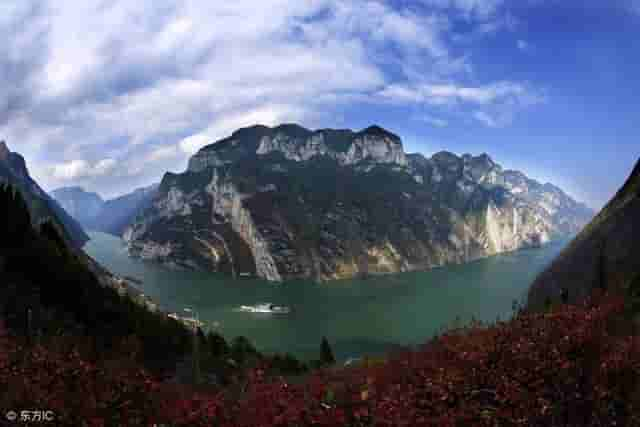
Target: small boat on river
265 308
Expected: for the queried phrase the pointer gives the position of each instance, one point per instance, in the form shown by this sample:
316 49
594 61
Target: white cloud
104 167
485 118
70 170
76 169
470 8
268 116
162 153
193 143
145 84
450 93
434 121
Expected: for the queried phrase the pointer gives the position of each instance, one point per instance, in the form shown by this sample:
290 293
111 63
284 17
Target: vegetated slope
287 202
47 287
63 317
606 254
563 368
13 170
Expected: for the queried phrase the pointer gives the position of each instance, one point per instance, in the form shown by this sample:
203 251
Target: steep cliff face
192 223
287 203
604 255
13 170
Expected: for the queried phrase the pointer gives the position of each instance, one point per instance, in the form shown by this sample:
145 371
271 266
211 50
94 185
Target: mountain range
286 203
109 216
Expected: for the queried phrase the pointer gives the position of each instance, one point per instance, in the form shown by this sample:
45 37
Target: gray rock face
13 170
287 202
298 144
603 255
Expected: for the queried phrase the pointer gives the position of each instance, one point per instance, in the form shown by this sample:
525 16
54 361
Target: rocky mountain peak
293 130
294 142
4 151
18 165
250 129
445 157
482 161
485 158
418 159
250 133
378 131
14 161
13 170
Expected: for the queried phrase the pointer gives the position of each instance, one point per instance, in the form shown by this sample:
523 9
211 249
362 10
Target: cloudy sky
111 94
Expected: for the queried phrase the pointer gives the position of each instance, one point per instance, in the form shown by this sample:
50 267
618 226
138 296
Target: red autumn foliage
564 368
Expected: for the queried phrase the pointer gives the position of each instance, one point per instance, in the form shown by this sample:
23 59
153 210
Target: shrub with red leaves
563 368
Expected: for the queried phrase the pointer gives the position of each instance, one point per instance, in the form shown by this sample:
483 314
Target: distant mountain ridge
13 171
286 202
80 204
109 216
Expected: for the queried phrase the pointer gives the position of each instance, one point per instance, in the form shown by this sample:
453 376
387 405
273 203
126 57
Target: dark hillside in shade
13 171
606 254
41 274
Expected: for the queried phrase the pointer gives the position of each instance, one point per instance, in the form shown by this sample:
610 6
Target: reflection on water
364 316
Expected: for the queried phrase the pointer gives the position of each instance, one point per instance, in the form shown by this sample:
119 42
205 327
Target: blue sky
110 95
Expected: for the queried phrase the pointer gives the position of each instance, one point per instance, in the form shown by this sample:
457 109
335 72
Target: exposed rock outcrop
287 202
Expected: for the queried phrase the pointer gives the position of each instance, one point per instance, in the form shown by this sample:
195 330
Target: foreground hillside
605 255
287 202
48 288
572 366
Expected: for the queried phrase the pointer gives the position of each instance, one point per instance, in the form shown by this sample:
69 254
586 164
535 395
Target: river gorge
359 317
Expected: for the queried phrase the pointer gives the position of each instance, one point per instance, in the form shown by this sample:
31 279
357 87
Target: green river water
364 316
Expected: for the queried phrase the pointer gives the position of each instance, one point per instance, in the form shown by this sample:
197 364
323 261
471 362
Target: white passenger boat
265 308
